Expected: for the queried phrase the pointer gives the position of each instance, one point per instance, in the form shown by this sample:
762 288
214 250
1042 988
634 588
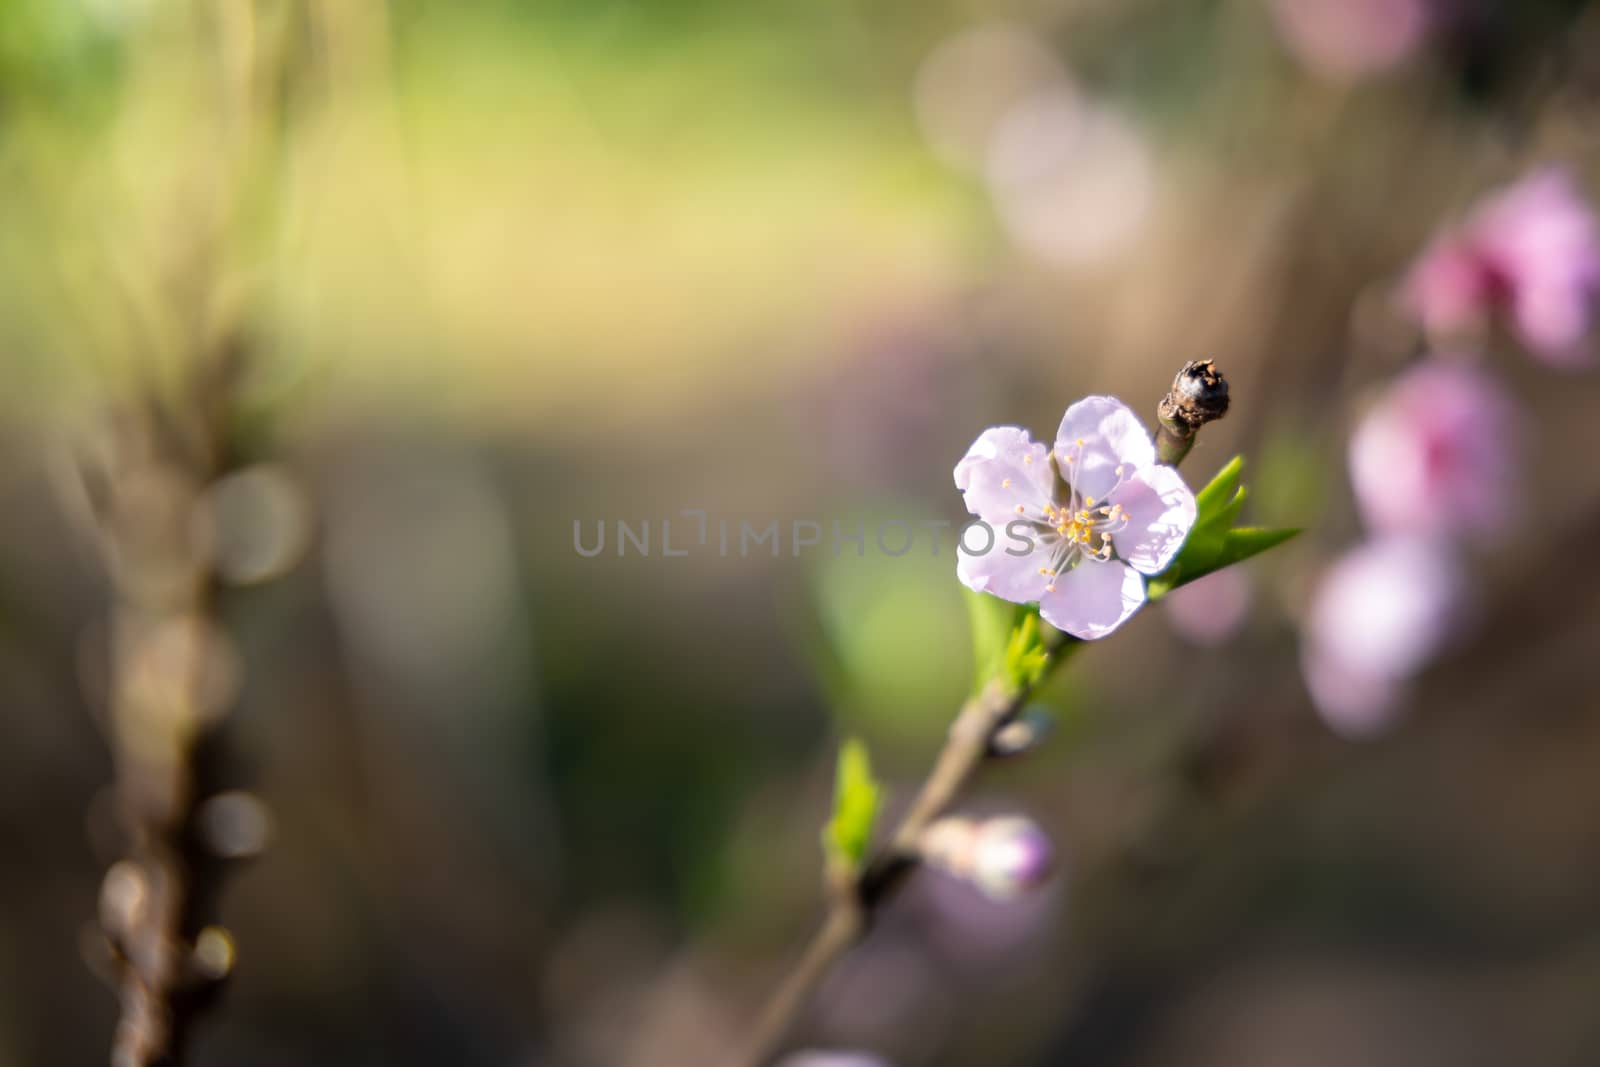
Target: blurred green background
510 265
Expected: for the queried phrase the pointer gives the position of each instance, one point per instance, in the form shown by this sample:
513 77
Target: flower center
1079 528
1088 527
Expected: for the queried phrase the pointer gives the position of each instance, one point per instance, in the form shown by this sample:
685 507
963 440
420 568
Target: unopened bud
1199 395
1003 856
1012 855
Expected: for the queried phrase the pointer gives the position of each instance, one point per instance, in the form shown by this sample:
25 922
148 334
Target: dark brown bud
1199 395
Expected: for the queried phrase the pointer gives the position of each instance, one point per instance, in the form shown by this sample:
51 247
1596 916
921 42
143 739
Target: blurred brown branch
149 485
172 675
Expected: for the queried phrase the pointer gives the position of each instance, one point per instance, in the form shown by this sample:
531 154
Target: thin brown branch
854 905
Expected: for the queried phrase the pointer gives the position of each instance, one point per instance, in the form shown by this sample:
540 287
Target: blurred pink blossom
1380 614
976 931
816 1058
1209 611
1346 40
1438 454
1531 252
1073 182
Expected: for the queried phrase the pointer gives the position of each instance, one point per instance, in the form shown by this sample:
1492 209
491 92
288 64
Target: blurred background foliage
512 265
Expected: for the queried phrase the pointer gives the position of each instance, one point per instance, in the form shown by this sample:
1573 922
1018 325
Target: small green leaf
1228 514
1007 643
1246 541
856 797
1162 584
1220 490
1214 542
1026 656
1237 545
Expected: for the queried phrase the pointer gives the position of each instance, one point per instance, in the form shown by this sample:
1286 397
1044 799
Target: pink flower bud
1011 855
1003 856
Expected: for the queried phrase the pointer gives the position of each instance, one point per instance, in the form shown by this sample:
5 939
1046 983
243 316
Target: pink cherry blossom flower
1438 454
1077 526
1379 615
1532 253
1346 40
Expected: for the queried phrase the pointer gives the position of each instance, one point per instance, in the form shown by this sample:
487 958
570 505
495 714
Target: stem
840 930
964 752
1199 395
854 905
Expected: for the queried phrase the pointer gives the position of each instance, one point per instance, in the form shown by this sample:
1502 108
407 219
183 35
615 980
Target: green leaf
1215 542
856 798
1246 541
1026 656
1220 490
1237 545
1007 643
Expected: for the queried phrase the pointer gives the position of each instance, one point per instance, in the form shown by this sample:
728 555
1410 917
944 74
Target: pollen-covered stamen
1077 527
1088 526
1092 525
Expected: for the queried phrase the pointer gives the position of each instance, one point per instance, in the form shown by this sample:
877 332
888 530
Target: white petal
1161 512
1112 436
998 573
1093 598
1003 470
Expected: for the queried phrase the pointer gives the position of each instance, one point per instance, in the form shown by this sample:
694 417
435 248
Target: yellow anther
1005 483
1021 509
1051 588
1027 459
